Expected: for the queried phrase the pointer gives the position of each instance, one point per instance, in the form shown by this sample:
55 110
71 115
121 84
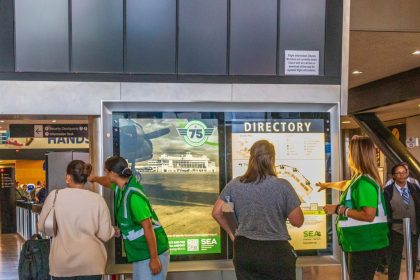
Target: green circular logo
196 135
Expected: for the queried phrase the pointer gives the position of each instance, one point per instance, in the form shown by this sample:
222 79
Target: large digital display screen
300 159
184 160
176 156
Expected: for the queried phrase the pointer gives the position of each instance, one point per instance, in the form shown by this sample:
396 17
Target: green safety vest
354 235
133 234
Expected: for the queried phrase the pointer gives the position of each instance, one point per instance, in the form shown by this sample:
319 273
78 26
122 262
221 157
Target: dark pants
362 265
395 253
255 260
87 277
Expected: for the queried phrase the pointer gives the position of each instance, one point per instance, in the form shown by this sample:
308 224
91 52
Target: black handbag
34 259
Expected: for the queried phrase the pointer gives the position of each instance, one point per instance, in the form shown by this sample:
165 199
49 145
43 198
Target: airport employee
145 240
362 227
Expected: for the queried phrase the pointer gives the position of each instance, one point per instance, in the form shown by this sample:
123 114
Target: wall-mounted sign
45 143
301 63
6 177
412 142
48 130
4 135
300 159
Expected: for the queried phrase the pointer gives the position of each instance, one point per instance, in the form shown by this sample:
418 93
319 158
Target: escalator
393 149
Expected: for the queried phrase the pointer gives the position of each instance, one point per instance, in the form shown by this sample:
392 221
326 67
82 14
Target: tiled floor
10 245
334 273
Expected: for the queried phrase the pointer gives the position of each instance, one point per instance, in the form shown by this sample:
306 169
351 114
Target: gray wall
7 56
184 37
42 38
81 98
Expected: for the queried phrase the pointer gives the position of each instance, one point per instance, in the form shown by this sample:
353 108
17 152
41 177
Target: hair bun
126 172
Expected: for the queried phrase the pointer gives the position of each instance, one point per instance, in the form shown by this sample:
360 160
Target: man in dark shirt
41 195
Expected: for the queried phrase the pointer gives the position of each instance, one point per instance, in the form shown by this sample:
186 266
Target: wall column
95 150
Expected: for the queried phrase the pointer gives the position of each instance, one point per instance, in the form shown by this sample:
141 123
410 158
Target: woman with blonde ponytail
362 227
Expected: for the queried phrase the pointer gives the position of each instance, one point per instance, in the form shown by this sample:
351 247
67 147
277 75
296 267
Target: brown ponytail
261 162
79 171
118 165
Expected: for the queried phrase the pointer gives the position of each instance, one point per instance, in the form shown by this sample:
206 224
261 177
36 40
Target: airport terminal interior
182 89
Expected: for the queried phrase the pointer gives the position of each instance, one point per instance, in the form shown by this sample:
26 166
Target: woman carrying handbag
83 224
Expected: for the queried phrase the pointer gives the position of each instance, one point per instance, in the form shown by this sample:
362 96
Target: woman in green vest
145 240
362 227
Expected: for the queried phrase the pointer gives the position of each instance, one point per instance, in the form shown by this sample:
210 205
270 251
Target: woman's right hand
339 186
91 178
322 186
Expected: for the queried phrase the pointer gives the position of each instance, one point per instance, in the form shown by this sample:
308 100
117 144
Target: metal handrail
408 253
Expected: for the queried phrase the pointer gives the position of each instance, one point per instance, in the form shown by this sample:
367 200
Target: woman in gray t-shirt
262 204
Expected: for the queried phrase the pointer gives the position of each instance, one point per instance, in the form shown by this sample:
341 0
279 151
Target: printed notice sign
301 62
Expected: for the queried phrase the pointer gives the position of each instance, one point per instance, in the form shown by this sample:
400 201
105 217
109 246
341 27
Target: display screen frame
219 116
329 256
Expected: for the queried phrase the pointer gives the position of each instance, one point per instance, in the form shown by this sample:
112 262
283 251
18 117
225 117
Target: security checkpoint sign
48 130
301 63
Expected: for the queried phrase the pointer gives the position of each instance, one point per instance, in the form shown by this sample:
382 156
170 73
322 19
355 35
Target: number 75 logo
195 133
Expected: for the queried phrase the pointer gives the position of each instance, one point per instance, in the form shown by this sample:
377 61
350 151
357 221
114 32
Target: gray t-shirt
262 208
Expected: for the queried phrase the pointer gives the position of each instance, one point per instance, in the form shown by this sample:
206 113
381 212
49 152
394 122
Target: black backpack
34 259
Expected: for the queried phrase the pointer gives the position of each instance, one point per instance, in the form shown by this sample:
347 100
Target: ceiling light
1 121
346 122
417 52
54 121
357 72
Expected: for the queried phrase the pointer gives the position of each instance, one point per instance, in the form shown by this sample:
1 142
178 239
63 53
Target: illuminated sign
300 158
180 174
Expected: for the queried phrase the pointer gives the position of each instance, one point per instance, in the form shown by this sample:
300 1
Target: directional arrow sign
38 131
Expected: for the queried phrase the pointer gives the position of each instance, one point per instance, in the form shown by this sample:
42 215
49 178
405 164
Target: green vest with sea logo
355 235
135 244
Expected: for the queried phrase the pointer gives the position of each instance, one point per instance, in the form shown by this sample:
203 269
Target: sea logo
312 234
195 133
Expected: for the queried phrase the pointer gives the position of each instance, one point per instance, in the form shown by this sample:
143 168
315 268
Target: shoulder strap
128 193
135 191
55 197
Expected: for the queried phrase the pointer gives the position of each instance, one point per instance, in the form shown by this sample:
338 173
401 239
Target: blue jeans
141 270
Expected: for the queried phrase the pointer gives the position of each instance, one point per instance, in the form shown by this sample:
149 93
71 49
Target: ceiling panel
381 54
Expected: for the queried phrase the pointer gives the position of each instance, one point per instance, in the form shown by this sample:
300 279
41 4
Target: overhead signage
45 143
48 130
